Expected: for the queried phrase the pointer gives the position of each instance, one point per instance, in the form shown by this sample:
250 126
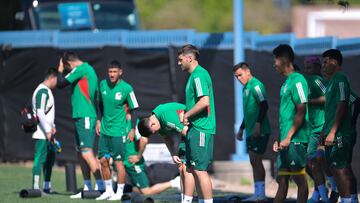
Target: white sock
323 192
108 185
315 196
87 184
260 188
36 185
345 200
354 198
100 184
187 199
120 188
182 197
208 200
47 185
201 201
332 183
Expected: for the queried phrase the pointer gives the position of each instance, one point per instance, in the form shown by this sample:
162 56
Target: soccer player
312 69
337 129
43 105
294 126
84 85
200 116
256 125
116 95
165 120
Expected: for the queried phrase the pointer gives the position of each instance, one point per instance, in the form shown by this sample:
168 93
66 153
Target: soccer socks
36 182
323 192
345 200
315 196
332 183
208 200
47 185
120 188
260 188
100 184
187 199
108 185
354 198
87 185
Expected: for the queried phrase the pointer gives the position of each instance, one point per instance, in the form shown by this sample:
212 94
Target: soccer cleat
334 197
76 196
105 195
117 196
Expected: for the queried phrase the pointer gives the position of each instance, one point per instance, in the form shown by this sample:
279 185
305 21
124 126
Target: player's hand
98 126
184 131
49 136
131 135
61 66
53 131
186 119
330 139
181 116
276 146
257 130
134 159
285 143
239 135
176 160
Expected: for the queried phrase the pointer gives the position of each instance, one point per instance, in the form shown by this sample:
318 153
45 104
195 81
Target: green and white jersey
168 115
198 85
131 147
43 99
254 93
316 112
115 101
353 97
294 91
337 90
84 83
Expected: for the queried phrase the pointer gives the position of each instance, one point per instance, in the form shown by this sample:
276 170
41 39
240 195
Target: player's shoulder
256 82
298 77
341 77
200 71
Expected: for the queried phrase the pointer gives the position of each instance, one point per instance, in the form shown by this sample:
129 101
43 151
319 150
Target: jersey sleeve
299 92
258 91
42 97
174 122
353 97
319 87
201 85
342 89
131 99
75 75
137 133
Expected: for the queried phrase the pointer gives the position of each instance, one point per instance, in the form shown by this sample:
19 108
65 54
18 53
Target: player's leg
354 195
343 182
49 163
39 159
283 181
188 183
302 185
104 157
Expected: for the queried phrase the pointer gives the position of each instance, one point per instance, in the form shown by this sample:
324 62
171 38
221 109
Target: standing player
337 129
115 97
84 85
312 68
256 123
43 106
165 119
200 116
294 126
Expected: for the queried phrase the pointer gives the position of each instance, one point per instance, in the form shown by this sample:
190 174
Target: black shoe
334 197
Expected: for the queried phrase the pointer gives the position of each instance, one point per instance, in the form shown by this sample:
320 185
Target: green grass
13 178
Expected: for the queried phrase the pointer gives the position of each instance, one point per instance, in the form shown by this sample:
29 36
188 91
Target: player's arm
42 98
142 141
260 95
133 106
170 145
239 135
317 101
320 89
356 109
99 111
61 81
202 104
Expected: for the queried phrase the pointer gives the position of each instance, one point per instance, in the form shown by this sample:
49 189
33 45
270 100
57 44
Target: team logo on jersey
118 96
104 92
247 92
292 163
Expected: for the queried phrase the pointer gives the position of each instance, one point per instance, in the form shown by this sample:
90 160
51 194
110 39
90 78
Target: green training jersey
316 112
84 83
294 91
337 90
115 101
254 93
198 85
168 115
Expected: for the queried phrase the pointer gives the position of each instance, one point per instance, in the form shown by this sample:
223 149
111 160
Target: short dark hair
69 56
285 51
296 67
190 49
334 54
143 127
114 64
242 65
51 72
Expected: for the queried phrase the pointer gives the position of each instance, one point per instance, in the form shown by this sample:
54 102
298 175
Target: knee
104 162
145 191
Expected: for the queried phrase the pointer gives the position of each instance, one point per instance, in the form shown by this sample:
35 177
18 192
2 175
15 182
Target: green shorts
137 174
199 149
314 142
182 151
85 132
111 146
293 158
257 145
339 155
